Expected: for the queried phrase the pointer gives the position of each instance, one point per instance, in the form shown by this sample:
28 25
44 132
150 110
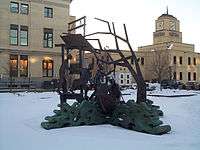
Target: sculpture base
143 117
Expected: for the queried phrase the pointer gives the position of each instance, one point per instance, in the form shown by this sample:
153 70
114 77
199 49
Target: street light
32 60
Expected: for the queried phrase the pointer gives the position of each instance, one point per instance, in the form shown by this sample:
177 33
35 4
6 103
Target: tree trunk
141 85
141 92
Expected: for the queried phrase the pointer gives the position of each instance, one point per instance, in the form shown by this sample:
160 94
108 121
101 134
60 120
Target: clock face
160 25
172 25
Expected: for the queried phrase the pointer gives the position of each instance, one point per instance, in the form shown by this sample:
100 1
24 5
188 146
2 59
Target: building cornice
25 52
48 3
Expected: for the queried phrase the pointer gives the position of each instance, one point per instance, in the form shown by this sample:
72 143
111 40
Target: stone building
29 31
179 60
167 58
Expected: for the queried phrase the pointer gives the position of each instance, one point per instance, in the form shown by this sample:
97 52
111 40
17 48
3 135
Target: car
171 84
150 88
192 85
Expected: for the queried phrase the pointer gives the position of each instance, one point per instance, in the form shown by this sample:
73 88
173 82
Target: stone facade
37 55
183 62
177 60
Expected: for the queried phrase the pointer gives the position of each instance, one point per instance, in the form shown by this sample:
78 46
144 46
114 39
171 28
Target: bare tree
161 65
123 60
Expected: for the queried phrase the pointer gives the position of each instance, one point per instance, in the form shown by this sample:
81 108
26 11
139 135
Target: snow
171 93
22 113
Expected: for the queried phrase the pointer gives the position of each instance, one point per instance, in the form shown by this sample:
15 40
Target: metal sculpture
104 105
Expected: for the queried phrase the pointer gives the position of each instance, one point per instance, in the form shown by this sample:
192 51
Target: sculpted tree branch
123 60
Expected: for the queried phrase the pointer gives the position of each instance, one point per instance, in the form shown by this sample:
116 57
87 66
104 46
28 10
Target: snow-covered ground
22 113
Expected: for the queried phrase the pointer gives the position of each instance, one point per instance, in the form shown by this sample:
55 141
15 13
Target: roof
76 41
167 15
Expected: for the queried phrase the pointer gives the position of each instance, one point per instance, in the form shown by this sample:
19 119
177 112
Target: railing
16 84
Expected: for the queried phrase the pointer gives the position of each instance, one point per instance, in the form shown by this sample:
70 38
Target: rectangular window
127 81
132 61
142 61
127 76
174 75
23 35
121 76
107 58
13 65
23 66
24 9
189 76
189 61
194 76
47 66
48 12
181 76
48 38
14 7
13 34
181 60
122 81
194 61
174 59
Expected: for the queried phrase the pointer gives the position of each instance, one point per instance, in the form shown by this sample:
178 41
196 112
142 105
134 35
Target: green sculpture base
143 117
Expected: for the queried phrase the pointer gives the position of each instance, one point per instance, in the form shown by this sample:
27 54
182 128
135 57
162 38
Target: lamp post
31 61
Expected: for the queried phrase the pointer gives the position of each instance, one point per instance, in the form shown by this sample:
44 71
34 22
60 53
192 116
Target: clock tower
167 29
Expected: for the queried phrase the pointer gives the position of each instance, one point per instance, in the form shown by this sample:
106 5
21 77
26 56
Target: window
127 82
92 61
13 34
132 60
48 12
122 76
174 59
48 38
174 75
23 66
127 76
189 76
47 66
122 81
13 65
194 61
24 36
24 9
189 61
14 7
194 76
181 76
107 58
142 61
181 60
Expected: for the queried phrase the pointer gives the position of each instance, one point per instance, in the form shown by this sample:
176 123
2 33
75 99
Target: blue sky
140 16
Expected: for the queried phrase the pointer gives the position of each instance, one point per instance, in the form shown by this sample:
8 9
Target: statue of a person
85 77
